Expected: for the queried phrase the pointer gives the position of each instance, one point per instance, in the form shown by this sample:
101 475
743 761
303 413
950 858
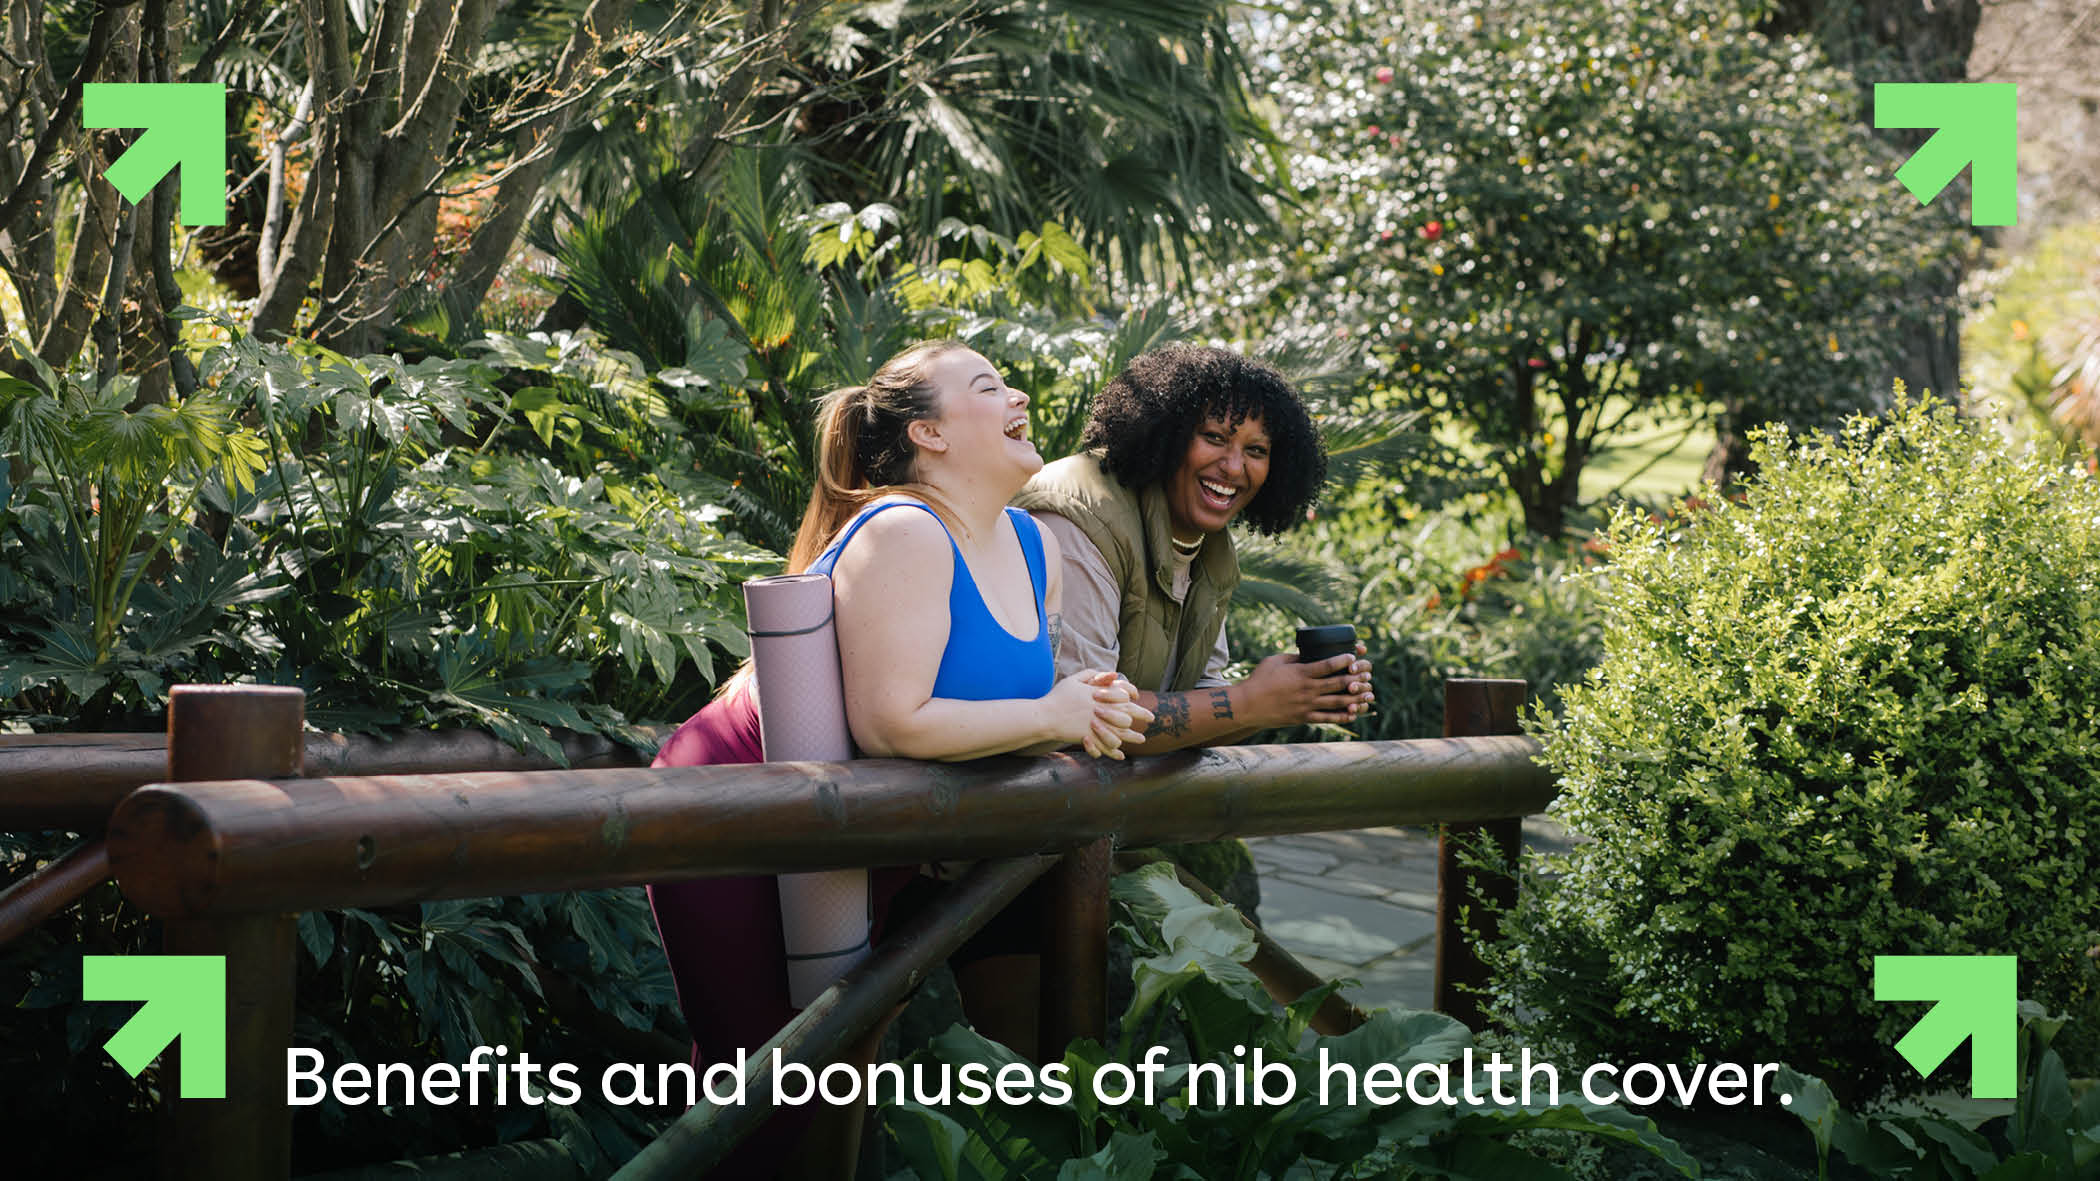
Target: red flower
1492 568
1536 363
1373 131
1384 74
1432 230
1385 235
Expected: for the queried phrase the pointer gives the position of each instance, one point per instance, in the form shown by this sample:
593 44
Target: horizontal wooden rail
243 846
74 781
51 889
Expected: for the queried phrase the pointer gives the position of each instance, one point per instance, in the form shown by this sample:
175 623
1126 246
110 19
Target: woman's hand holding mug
1324 682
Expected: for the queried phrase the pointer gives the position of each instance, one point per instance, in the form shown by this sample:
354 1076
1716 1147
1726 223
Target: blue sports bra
983 661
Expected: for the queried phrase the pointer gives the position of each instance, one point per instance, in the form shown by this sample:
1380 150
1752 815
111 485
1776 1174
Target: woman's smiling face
1223 469
980 416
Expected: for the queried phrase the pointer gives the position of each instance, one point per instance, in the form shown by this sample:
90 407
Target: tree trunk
1728 464
392 147
58 315
288 268
28 245
507 210
1546 516
153 339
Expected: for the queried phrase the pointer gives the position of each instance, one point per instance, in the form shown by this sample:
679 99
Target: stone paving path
1363 903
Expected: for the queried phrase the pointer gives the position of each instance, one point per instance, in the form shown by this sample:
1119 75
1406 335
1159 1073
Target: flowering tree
1551 220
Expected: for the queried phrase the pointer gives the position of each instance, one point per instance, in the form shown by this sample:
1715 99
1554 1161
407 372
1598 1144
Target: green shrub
1853 713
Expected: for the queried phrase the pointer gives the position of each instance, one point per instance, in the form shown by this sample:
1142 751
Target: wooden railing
75 781
228 858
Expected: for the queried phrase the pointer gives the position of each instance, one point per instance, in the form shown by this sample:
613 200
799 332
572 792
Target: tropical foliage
767 300
1131 124
1192 989
363 539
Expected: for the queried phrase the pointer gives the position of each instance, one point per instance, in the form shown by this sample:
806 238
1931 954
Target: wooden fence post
1073 996
1473 708
238 732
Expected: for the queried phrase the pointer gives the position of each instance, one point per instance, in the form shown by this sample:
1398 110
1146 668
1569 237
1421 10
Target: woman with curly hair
1182 443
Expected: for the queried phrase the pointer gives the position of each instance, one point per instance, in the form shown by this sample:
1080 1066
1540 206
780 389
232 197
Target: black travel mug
1319 643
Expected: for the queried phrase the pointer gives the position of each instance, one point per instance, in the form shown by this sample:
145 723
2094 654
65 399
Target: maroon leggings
722 938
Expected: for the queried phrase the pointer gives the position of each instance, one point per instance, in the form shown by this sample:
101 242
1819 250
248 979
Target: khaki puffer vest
1132 531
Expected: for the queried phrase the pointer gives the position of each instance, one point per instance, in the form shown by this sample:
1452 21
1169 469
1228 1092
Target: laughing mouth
1017 429
1222 492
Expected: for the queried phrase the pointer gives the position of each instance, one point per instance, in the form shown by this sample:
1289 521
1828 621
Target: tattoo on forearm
1221 705
1170 716
1055 624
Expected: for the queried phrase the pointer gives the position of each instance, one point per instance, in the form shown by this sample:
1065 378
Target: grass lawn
1675 453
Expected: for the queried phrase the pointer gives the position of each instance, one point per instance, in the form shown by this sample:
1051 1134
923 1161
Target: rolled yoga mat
802 718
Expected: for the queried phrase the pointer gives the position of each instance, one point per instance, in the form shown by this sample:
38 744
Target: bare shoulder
914 526
904 541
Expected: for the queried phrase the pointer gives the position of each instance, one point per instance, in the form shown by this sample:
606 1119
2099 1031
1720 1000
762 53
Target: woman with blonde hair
947 607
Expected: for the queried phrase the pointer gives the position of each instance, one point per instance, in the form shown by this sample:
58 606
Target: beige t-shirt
1091 607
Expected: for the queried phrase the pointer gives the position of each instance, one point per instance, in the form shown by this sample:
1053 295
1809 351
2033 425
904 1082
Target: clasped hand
1100 711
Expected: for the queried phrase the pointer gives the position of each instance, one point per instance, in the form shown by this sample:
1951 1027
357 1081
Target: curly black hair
1145 418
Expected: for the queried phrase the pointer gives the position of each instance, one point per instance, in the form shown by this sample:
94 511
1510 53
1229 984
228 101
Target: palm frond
1133 124
1275 574
1361 443
1141 331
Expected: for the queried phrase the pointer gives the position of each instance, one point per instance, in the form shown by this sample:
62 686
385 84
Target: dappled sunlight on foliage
1551 221
361 538
2033 352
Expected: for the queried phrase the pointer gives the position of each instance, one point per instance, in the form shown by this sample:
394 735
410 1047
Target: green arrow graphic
1979 1001
185 997
185 124
1978 124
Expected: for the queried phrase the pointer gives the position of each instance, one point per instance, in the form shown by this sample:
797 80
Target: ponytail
863 450
841 488
863 455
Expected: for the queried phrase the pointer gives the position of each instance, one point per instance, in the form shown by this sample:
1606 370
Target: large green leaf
933 1145
1126 1157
